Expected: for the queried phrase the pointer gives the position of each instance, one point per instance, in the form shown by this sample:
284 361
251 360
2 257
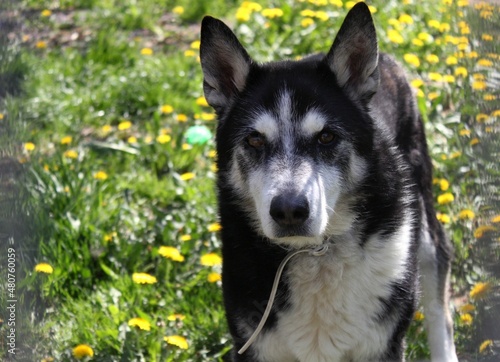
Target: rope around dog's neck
316 251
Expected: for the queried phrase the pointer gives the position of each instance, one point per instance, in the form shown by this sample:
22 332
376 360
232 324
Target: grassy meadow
107 166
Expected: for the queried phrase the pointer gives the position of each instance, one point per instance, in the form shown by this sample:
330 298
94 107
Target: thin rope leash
316 251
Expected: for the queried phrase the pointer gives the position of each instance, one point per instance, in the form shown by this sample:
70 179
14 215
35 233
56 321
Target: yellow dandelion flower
479 85
487 37
495 113
462 3
465 30
481 230
451 39
425 37
178 341
417 42
110 236
41 44
272 13
306 22
195 45
481 117
189 53
46 13
436 77
432 58
461 72
480 290
466 214
70 154
124 125
417 83
185 237
182 118
243 14
485 63
176 317
214 277
474 141
211 259
308 13
106 129
66 140
372 9
171 253
495 219
321 15
214 227
82 351
212 153
132 140
395 36
147 51
489 97
405 19
418 316
337 3
1 116
187 176
434 24
412 59
478 76
186 147
100 175
467 308
451 60
350 4
250 5
433 95
163 138
445 198
140 323
166 109
483 347
472 55
448 78
29 146
443 218
466 319
444 184
444 27
486 14
143 278
179 10
202 101
44 268
207 116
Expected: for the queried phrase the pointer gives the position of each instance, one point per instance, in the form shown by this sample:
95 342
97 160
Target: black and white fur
329 149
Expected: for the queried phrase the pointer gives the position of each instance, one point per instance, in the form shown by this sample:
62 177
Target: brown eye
326 138
256 140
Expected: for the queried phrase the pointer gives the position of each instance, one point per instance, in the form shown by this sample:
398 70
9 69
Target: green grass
99 196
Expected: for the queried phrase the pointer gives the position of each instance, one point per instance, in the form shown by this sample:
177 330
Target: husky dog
328 150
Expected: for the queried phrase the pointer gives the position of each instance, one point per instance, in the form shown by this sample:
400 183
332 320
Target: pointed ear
353 57
224 61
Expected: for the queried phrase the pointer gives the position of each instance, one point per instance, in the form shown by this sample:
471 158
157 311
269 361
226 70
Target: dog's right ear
224 61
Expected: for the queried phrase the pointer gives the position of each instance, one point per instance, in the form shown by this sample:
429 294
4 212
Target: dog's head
294 137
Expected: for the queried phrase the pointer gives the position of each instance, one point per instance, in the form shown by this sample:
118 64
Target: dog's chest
335 300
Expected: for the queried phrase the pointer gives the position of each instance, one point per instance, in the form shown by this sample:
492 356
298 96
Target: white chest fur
335 300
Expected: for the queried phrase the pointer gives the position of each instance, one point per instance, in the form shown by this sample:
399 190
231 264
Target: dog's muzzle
290 211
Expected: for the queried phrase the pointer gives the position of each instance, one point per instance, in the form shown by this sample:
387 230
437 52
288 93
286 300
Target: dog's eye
326 138
256 140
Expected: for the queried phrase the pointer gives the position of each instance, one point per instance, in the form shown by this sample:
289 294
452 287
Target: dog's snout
289 210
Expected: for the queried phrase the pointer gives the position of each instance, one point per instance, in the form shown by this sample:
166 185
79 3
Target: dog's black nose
289 209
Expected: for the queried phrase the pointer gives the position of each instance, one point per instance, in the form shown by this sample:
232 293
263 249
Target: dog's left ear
353 57
225 63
